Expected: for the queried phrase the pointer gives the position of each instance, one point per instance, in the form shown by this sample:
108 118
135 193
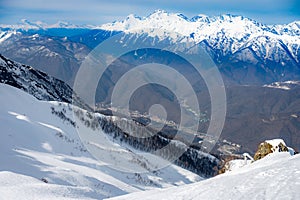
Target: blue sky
98 12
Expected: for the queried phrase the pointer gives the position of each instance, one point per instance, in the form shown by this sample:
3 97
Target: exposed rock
270 146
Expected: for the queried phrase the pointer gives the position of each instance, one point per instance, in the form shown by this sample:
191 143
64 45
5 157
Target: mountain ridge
26 24
37 83
272 50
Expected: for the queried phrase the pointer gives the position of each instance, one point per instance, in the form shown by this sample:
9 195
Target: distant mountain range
246 52
257 62
28 25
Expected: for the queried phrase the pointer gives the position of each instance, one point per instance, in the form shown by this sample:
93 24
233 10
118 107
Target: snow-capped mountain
229 32
233 41
246 52
273 177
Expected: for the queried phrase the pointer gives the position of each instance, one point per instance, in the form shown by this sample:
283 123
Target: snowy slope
276 176
37 146
17 186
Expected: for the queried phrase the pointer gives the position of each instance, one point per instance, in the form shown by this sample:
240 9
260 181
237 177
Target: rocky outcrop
270 146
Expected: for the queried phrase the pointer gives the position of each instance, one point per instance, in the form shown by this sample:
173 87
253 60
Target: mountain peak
158 12
27 24
133 16
163 13
200 17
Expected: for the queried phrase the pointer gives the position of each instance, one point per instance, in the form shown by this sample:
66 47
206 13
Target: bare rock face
270 146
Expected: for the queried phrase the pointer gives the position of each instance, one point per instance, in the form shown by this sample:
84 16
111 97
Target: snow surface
275 142
236 164
37 147
277 176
